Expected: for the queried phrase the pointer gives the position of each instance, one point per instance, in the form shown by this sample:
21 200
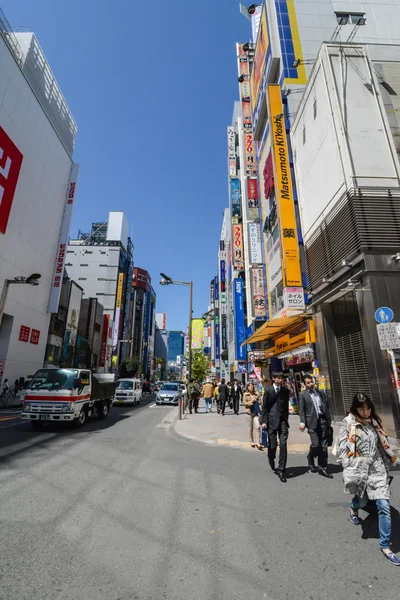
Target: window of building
82 278
315 108
84 265
350 18
304 134
103 265
88 251
70 252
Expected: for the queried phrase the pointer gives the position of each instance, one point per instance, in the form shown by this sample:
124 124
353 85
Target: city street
123 509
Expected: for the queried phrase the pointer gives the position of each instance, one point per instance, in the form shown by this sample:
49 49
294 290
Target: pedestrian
5 388
275 418
223 396
237 395
251 402
195 394
216 395
16 386
207 393
366 456
315 415
189 398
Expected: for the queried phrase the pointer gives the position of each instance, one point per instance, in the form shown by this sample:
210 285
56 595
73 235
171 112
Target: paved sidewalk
232 430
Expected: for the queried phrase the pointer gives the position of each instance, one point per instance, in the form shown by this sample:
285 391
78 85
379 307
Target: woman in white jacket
366 455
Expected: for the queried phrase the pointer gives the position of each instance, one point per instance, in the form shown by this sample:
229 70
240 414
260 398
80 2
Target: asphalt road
124 510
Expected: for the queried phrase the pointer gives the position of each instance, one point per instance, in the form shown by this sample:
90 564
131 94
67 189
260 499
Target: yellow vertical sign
119 290
284 192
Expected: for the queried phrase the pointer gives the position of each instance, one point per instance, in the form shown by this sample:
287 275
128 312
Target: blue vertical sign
216 291
239 319
146 332
217 354
235 197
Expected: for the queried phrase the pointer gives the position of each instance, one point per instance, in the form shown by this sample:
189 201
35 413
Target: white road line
152 405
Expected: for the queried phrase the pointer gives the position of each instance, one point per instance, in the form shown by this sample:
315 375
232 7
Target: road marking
152 405
8 418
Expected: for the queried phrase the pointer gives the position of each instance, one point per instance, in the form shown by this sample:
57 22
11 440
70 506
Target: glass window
125 385
54 379
169 387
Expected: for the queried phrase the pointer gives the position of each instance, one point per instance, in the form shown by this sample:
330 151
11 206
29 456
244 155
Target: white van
128 391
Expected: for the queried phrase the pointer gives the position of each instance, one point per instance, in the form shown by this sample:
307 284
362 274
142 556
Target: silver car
169 393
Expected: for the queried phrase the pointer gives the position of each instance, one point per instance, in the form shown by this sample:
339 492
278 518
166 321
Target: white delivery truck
62 395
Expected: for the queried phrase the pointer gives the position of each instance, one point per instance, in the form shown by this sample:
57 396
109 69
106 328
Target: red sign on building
10 166
35 335
24 333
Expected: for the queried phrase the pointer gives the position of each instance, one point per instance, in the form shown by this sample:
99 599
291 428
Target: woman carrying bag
252 406
366 456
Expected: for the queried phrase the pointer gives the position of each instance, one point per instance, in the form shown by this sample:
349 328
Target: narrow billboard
259 304
238 257
197 334
55 289
240 352
252 199
284 192
235 197
255 243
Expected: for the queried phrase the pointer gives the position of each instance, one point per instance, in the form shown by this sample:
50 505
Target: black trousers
319 443
221 405
196 403
283 432
236 402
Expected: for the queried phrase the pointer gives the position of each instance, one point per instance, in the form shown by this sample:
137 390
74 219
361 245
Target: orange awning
274 327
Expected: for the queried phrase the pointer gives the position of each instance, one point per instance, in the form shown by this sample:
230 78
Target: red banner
24 333
10 166
35 335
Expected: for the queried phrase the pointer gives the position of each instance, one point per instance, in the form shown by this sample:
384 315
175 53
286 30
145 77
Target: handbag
330 436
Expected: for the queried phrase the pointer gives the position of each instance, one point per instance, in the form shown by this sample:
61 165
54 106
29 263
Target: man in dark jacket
223 392
315 415
237 394
275 417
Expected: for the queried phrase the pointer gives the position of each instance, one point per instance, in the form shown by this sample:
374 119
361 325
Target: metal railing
7 34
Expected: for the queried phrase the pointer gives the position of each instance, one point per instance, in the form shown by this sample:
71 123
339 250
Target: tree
130 367
199 365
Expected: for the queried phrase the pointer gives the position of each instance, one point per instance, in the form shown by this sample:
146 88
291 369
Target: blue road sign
384 315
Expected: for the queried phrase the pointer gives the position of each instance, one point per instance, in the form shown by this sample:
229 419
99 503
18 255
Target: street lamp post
31 280
168 281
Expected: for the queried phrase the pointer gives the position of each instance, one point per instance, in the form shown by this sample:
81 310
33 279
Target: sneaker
392 557
354 517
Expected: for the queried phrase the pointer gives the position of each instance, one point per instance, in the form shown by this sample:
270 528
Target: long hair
361 400
249 384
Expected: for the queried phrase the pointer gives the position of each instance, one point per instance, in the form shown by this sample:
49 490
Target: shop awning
274 327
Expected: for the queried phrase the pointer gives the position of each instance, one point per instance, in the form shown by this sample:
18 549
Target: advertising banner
222 277
212 293
293 298
239 319
245 91
238 257
249 155
284 192
145 364
255 243
252 199
224 331
260 54
259 305
104 338
217 353
235 197
10 166
231 143
117 317
216 292
63 241
274 278
197 333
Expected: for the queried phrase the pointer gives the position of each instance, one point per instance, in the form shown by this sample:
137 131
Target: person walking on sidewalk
194 392
207 393
223 391
275 418
237 394
366 456
315 415
252 406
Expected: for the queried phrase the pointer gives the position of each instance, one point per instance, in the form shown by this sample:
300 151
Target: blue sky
151 86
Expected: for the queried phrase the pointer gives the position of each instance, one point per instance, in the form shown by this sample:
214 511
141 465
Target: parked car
170 393
128 391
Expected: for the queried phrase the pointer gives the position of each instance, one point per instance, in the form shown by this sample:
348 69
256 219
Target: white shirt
277 388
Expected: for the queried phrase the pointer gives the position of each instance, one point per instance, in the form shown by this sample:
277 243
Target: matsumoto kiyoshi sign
283 186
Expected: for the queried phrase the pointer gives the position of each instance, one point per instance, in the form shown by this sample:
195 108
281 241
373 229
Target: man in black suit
275 417
315 415
236 394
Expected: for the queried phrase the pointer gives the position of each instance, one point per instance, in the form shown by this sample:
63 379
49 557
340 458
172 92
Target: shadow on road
293 472
21 437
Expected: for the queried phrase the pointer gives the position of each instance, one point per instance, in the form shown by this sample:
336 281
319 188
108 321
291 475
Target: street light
169 281
31 280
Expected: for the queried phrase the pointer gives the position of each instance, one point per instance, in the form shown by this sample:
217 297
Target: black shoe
322 471
282 477
312 467
272 463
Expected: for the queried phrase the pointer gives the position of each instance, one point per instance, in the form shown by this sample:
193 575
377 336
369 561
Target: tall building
142 327
175 346
37 191
100 261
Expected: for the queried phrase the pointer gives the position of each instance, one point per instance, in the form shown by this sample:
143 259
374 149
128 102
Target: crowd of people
362 447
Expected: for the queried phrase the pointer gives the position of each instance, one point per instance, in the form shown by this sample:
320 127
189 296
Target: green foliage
130 367
199 365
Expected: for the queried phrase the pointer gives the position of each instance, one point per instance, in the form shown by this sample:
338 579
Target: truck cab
65 395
